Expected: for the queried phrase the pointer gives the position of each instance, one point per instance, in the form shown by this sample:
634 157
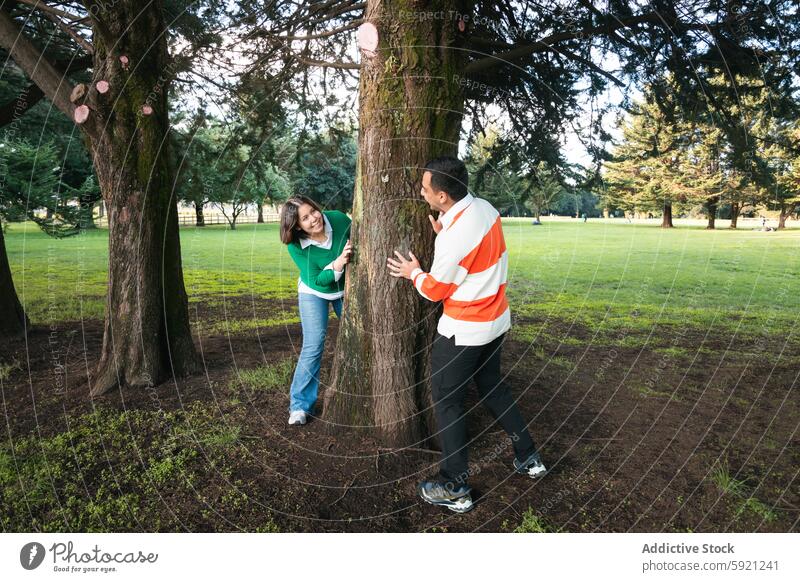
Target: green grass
125 471
532 523
738 489
234 326
616 282
65 279
6 368
618 279
270 377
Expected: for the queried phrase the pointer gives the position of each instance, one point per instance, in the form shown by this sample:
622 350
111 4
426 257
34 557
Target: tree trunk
200 220
260 219
86 212
411 108
147 336
666 222
101 209
13 320
735 209
786 212
711 207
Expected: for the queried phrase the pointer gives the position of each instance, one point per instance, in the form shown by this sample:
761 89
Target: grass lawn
607 276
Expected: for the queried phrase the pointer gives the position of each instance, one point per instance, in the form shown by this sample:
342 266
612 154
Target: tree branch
325 34
545 44
85 44
329 64
54 84
590 64
40 5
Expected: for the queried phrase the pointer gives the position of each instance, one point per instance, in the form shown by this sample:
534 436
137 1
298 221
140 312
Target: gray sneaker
436 493
532 467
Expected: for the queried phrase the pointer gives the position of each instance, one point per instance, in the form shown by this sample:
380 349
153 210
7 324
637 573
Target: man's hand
435 224
402 267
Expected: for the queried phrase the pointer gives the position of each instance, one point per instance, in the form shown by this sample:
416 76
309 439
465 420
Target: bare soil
632 436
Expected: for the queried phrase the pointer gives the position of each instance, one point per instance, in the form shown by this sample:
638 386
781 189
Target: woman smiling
319 245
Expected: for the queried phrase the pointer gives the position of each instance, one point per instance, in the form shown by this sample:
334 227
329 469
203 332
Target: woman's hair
290 218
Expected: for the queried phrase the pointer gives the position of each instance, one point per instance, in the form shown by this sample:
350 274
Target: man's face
434 199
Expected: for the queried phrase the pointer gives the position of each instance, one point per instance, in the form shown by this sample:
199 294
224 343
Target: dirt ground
633 438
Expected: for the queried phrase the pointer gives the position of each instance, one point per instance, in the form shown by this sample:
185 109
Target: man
469 271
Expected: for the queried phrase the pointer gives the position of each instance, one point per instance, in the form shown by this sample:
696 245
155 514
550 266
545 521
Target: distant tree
325 168
643 174
272 187
784 158
495 175
545 191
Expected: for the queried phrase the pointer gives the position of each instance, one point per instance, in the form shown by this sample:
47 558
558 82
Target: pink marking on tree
124 60
461 26
367 38
103 87
147 110
81 113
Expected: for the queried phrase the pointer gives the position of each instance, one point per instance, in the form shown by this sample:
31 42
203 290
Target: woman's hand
344 258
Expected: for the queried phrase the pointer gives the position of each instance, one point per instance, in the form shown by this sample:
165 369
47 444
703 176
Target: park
645 165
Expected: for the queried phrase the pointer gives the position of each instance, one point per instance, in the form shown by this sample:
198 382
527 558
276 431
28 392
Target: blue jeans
314 321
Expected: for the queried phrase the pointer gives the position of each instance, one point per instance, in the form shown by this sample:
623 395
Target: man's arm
443 279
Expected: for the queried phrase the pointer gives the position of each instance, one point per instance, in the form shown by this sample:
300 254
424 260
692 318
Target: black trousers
452 367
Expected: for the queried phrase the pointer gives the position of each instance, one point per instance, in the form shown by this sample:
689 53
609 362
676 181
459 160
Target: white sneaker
297 417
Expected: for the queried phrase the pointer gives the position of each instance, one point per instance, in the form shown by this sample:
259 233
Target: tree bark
86 214
200 219
411 108
711 208
13 320
735 209
260 219
666 222
147 337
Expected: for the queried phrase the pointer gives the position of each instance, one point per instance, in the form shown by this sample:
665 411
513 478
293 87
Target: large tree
406 118
123 116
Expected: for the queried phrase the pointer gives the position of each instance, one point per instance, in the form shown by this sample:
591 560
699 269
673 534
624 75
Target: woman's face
310 220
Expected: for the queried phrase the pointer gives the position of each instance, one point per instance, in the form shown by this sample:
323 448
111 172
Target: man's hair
449 175
290 218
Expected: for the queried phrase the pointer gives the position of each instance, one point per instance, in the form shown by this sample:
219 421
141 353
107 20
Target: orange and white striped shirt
469 273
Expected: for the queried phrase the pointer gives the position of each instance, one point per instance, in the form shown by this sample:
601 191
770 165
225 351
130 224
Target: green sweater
312 260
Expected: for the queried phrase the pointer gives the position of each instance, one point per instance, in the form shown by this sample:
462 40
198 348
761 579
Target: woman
319 244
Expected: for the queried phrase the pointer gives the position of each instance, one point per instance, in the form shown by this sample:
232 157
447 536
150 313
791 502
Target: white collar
326 244
447 218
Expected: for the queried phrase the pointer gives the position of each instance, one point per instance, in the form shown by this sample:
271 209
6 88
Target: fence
209 219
